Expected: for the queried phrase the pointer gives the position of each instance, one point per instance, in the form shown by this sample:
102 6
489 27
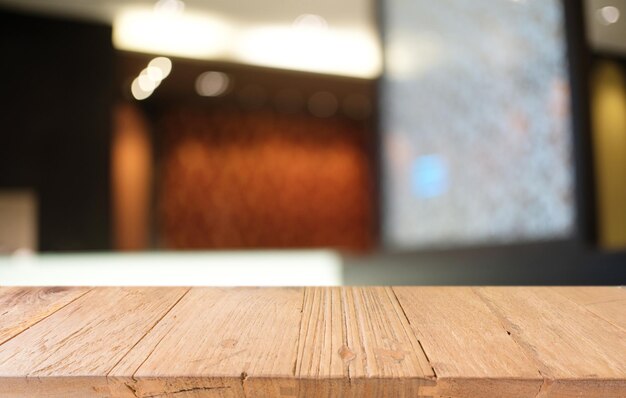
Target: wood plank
22 307
611 311
578 353
471 353
223 342
320 342
357 342
584 295
609 303
69 353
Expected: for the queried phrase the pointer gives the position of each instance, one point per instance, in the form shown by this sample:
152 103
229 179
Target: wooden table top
313 342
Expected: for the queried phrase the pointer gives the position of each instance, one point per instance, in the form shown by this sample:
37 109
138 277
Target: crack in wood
333 331
183 391
544 387
144 336
428 359
243 377
421 346
132 389
46 317
295 361
526 349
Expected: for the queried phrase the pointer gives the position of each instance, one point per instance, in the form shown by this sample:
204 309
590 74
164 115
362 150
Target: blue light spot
429 176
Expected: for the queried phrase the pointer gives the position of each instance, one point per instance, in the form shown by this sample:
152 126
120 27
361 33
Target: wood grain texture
609 303
469 350
229 342
611 311
314 342
359 339
577 352
585 295
84 340
22 307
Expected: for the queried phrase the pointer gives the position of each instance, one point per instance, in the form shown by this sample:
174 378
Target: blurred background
313 142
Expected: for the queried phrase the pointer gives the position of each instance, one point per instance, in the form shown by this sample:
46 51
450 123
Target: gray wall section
540 264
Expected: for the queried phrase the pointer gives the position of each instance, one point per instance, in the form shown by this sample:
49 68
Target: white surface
263 268
350 51
271 33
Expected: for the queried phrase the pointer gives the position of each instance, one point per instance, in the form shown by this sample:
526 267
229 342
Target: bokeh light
212 84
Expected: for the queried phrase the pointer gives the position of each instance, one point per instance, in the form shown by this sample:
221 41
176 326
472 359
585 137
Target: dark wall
562 263
56 90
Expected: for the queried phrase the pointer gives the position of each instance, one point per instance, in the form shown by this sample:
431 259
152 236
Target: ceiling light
171 6
154 74
608 15
346 52
138 92
308 44
212 84
150 78
190 35
164 65
146 83
310 21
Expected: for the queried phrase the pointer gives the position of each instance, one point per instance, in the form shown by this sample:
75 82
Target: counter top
313 342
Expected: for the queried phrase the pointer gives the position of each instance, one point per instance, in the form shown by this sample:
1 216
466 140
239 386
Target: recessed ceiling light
188 34
155 74
608 15
212 84
150 78
138 92
146 83
310 21
171 6
164 65
308 44
348 52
